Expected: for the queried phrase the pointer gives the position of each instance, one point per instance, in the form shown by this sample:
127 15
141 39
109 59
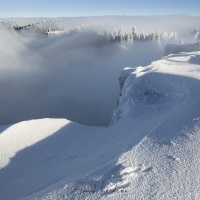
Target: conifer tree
197 36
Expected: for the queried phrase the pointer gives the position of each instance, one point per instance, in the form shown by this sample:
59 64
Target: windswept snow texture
151 150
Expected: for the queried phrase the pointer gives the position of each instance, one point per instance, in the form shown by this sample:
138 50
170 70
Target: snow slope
151 150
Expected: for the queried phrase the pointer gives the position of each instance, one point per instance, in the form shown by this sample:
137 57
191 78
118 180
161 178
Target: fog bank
64 76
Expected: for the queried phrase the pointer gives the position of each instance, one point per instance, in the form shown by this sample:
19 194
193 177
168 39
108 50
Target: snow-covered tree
157 35
195 31
197 36
129 37
142 36
134 33
175 34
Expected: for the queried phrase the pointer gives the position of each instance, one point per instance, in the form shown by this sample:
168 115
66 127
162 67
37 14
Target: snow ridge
150 151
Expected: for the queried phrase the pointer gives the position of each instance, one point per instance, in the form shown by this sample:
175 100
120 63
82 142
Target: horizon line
87 16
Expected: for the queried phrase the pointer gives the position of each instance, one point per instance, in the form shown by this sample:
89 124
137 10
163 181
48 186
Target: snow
150 151
56 32
19 136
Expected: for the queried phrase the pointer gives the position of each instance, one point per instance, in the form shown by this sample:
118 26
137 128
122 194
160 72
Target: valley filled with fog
100 108
73 73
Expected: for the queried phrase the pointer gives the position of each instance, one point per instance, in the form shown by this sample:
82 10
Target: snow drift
149 152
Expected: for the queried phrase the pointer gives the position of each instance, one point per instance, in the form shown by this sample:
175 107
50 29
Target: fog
64 76
169 23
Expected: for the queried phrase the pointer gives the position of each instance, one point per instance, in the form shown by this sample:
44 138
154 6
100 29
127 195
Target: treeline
196 34
134 35
54 26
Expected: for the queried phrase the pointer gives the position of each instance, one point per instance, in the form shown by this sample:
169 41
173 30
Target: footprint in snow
71 157
173 158
47 158
127 175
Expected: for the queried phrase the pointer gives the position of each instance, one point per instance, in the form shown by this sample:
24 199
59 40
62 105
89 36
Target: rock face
125 73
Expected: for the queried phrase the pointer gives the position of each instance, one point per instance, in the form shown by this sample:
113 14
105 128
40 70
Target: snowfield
150 150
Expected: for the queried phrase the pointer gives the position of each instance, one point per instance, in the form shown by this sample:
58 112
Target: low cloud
64 76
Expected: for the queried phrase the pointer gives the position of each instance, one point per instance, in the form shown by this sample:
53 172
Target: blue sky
55 8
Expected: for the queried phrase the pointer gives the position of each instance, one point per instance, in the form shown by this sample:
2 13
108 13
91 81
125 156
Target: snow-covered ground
151 150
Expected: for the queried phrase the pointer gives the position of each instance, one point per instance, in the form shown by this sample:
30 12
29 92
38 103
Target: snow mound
149 152
24 134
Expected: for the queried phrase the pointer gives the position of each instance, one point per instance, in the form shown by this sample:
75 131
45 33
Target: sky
68 8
